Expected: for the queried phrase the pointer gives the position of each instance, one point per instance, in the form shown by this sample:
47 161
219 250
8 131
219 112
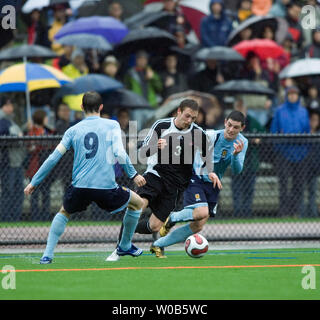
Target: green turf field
229 274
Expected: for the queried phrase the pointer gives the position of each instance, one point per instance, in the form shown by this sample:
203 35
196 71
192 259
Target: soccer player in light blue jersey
97 145
201 197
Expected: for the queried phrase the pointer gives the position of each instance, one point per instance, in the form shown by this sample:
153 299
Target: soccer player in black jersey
170 147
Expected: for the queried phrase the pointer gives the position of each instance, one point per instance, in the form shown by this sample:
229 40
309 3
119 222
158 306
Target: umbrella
28 77
256 24
31 5
301 68
145 18
219 53
98 8
123 98
193 10
26 51
149 39
108 27
206 101
90 82
243 87
86 41
264 48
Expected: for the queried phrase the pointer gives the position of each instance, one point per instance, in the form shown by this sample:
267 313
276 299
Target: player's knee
201 213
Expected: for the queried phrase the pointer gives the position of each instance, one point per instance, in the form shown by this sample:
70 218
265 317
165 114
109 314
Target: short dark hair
38 117
4 99
237 116
189 103
91 101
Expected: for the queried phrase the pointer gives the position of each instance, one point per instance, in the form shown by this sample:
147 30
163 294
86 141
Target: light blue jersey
222 155
97 146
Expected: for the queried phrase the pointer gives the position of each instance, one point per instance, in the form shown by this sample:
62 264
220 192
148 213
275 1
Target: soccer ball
196 246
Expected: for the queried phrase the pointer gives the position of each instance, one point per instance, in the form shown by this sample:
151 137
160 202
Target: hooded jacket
213 31
291 118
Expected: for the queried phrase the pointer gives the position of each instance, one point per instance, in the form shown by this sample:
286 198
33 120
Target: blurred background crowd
144 56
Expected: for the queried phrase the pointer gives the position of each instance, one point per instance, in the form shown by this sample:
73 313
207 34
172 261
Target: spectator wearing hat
290 117
110 67
216 27
11 174
144 81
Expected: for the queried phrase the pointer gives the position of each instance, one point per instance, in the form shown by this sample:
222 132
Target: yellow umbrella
27 77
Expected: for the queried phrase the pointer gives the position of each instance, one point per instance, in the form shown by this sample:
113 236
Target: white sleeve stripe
61 148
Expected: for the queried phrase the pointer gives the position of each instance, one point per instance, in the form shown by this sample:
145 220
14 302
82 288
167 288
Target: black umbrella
146 18
218 53
243 87
86 41
256 24
100 8
26 51
90 82
123 98
150 39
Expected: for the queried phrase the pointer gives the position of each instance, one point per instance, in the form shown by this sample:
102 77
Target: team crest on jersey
197 196
124 188
224 153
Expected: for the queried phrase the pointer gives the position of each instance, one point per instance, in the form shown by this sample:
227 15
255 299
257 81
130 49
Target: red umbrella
264 48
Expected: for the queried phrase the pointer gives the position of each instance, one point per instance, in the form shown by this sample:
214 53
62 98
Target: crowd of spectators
295 107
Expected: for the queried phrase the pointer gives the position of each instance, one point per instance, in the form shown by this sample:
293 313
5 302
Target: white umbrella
301 68
31 5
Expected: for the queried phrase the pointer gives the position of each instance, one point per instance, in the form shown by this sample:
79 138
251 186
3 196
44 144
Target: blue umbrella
90 82
110 28
85 41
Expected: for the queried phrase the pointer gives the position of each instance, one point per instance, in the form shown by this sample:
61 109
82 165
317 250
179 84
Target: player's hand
162 143
215 180
238 146
29 189
139 180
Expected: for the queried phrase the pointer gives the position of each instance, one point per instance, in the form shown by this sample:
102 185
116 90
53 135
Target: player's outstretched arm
45 168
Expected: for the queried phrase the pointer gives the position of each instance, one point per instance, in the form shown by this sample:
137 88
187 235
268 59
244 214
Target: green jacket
133 82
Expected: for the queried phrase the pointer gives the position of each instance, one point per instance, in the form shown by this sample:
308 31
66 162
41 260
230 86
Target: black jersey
174 163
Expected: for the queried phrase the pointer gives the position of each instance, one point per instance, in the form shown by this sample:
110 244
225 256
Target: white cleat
113 256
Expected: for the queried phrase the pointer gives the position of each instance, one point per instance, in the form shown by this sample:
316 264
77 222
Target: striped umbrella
27 77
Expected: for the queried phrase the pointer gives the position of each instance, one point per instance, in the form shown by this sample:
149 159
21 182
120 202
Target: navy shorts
200 193
111 200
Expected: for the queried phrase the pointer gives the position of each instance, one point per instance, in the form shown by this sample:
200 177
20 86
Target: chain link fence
276 197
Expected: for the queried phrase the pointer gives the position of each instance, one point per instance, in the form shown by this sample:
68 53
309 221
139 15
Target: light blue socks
58 225
178 235
130 221
183 215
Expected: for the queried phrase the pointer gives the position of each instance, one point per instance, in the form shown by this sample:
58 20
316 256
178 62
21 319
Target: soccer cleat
159 252
45 260
133 251
113 256
165 229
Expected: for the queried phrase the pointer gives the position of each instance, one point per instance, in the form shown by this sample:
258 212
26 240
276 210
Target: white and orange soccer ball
196 246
